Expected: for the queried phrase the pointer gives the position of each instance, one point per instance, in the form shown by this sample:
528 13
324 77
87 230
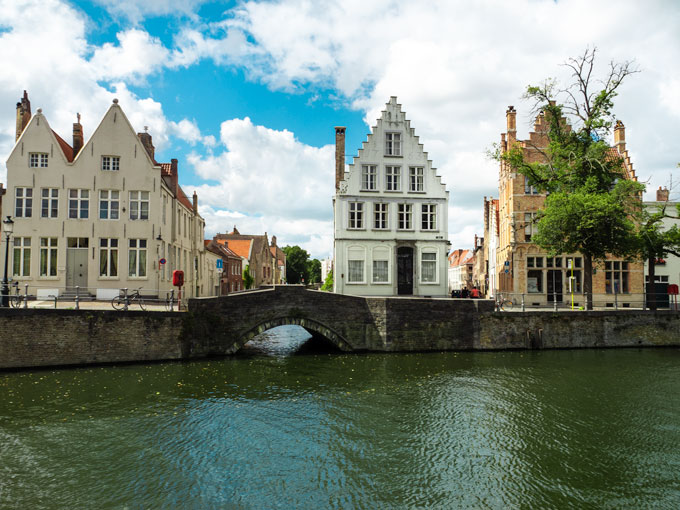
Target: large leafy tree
314 270
328 282
296 264
590 205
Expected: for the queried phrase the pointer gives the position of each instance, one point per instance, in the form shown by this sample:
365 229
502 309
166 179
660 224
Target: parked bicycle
120 301
15 299
505 304
170 301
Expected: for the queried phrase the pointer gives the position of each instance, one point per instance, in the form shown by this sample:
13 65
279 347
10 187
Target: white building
666 270
102 215
390 214
326 267
460 269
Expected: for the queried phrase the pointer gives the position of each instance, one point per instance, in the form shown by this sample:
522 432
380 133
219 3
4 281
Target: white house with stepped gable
100 215
390 214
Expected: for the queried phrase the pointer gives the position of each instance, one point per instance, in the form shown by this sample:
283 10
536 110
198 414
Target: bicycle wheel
169 305
140 302
15 301
118 303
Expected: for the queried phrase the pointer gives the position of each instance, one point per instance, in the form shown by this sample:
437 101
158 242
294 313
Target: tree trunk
588 280
651 287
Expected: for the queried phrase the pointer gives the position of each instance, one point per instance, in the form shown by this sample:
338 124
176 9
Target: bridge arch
308 324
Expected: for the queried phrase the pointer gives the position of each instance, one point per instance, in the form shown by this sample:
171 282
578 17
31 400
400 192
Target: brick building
254 251
231 277
531 271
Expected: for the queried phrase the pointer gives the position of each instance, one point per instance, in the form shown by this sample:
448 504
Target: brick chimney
511 121
195 203
173 172
23 115
662 194
620 136
339 155
77 136
145 138
273 240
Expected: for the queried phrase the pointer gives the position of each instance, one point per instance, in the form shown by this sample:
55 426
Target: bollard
523 308
77 298
554 302
616 301
26 295
55 302
172 299
127 301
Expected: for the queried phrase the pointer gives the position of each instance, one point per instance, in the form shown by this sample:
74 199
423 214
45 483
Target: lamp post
7 228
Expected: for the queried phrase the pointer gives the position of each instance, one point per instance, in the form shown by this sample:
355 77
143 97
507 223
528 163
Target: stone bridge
224 324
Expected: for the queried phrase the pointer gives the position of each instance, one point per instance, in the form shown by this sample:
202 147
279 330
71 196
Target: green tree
248 279
296 264
590 206
314 270
328 282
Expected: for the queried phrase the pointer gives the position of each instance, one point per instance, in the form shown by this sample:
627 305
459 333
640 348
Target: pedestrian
465 294
474 293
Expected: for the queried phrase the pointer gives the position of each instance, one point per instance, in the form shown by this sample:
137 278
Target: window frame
393 178
416 179
430 262
428 216
393 144
355 217
49 204
369 177
137 252
41 160
109 201
23 203
21 254
381 216
49 253
109 247
110 163
82 203
404 215
137 202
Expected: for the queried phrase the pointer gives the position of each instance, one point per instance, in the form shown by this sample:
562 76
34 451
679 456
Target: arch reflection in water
288 340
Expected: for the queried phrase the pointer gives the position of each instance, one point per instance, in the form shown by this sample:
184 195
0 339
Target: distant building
100 215
524 268
390 214
255 252
326 267
666 270
460 269
231 274
279 262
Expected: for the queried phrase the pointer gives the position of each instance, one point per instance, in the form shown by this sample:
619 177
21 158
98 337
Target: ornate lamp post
7 228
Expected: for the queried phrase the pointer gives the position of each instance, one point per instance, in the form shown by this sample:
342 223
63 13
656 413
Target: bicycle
504 303
170 301
120 301
15 299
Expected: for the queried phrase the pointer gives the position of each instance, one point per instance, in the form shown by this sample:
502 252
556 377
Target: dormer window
37 160
111 163
392 144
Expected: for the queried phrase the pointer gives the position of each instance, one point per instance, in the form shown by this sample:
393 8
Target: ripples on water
572 429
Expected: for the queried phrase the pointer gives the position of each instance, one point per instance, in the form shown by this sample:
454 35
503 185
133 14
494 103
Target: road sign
507 271
507 263
162 261
219 263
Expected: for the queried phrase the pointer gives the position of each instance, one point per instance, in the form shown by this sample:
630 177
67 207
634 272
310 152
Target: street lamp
7 228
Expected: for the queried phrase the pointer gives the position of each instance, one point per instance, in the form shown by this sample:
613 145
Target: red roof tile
65 147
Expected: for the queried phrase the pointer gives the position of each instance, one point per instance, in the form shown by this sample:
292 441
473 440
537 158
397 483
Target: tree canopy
296 264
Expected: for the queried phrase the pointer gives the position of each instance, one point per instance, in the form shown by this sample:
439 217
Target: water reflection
577 429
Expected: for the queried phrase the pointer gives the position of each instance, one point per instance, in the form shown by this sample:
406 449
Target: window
392 144
535 281
21 256
165 203
108 257
137 258
405 213
139 205
416 178
111 163
393 178
553 262
78 203
355 273
109 204
356 215
428 267
380 268
49 204
529 190
368 178
530 227
429 217
48 256
380 216
23 202
37 160
534 261
616 277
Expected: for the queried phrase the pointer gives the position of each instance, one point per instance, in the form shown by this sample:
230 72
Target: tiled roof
65 147
166 168
183 199
240 247
460 257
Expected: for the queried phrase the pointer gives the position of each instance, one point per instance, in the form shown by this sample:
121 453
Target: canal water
270 429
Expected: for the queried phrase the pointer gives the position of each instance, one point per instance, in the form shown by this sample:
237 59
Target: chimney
511 120
77 136
620 136
339 155
662 194
195 200
23 115
273 240
235 231
174 174
145 138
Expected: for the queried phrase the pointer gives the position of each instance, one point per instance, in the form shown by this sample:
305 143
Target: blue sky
246 94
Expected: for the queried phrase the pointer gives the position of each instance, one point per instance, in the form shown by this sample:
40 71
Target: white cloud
135 10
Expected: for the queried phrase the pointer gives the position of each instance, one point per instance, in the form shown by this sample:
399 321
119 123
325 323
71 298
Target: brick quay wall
35 338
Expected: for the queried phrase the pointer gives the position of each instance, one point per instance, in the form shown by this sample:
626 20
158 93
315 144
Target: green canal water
553 429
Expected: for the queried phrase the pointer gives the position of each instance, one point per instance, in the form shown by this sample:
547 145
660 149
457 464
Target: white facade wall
372 248
100 254
670 271
493 248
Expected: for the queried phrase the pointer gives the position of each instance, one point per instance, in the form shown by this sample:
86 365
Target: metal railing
508 301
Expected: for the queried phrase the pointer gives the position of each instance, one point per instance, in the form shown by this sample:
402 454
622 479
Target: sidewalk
150 306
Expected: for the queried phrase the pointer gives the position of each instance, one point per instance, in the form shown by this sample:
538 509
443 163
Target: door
555 285
404 271
76 263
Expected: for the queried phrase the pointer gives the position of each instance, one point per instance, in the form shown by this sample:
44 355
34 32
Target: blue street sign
219 263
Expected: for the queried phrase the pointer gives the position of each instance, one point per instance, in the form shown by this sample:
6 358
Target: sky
246 94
